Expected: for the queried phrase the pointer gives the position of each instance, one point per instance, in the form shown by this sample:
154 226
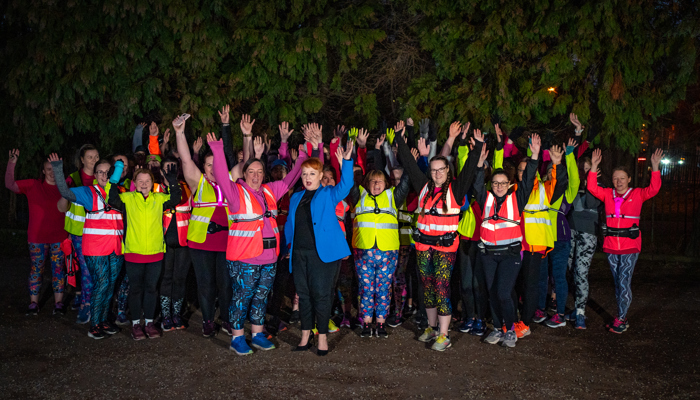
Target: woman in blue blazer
316 244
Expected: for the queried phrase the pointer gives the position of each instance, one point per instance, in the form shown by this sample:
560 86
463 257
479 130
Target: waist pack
269 243
445 240
507 250
631 232
214 228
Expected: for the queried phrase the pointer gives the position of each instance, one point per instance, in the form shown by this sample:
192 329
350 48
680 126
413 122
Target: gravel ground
51 357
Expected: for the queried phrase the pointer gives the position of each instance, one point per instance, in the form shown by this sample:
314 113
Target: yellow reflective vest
376 221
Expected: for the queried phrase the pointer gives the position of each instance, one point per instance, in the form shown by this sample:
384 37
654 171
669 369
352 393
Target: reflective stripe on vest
375 221
245 239
104 228
205 201
442 222
505 229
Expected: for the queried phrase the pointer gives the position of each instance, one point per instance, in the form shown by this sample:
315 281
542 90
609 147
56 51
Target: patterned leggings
400 292
85 282
38 253
582 249
104 271
123 294
622 267
435 271
251 284
375 269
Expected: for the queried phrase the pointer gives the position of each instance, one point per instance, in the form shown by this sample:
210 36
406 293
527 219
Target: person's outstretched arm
522 193
189 168
10 182
416 176
228 188
114 198
138 137
174 190
465 179
342 189
655 183
592 179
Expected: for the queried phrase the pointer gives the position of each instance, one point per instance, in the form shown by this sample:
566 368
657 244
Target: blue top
331 244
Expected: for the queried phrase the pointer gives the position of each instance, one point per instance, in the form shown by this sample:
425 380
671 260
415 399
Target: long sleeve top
231 190
138 138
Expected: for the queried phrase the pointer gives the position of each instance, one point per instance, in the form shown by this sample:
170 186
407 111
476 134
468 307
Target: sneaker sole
395 325
240 354
263 348
614 331
122 323
95 337
538 320
153 337
137 339
473 333
442 349
581 327
556 325
508 344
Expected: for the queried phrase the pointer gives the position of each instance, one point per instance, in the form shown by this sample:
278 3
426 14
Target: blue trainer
83 316
467 325
580 321
260 342
239 345
478 329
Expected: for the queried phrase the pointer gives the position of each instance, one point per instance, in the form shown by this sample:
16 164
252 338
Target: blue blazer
331 244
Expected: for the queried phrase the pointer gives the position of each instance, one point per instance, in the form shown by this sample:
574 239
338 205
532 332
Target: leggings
104 271
250 284
375 269
473 286
213 280
176 265
622 267
315 284
435 271
123 293
85 282
559 258
400 292
143 288
501 272
582 249
529 285
346 277
38 253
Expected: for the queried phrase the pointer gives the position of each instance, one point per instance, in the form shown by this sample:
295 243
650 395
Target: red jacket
631 206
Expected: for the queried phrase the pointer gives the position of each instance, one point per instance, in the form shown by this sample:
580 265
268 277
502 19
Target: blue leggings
559 258
104 271
375 271
251 284
622 267
85 281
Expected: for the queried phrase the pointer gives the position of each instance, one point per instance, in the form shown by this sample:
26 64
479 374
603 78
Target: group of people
484 226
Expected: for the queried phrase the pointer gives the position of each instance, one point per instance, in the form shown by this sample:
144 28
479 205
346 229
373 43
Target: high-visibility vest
75 216
375 221
618 218
204 202
103 231
435 221
502 228
407 220
245 238
144 234
467 223
182 216
537 220
340 210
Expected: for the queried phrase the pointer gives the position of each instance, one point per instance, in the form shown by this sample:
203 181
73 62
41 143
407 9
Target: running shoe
108 328
152 331
59 309
33 309
380 331
366 330
479 328
122 319
239 345
226 327
618 326
96 333
394 320
509 339
177 322
75 304
332 327
557 321
521 330
208 329
83 316
429 334
261 342
494 337
467 325
345 323
580 321
137 332
570 316
167 324
539 317
295 317
442 343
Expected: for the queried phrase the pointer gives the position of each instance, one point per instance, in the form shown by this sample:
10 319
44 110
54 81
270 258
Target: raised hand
339 154
574 120
170 174
285 133
597 157
197 145
179 124
535 143
483 156
267 142
353 133
499 133
247 124
293 154
348 150
472 143
223 114
339 131
455 129
166 135
153 129
415 154
556 152
362 136
258 146
423 147
14 155
379 143
211 137
390 134
571 142
399 127
478 136
409 122
656 159
424 127
52 157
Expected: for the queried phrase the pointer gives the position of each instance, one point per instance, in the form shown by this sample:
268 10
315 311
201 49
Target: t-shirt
86 179
45 221
304 238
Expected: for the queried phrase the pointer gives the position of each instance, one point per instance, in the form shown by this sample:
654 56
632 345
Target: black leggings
212 279
315 284
176 265
501 272
528 285
279 288
473 286
143 288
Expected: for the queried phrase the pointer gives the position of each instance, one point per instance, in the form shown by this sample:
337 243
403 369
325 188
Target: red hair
314 163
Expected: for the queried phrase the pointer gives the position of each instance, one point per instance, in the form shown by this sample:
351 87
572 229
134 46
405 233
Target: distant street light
552 90
665 161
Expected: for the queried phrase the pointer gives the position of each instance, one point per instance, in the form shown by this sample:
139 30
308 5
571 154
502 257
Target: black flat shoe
321 353
306 347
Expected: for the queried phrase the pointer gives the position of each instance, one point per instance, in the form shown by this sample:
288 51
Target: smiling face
102 174
587 167
89 159
48 174
328 179
621 181
499 185
143 183
310 178
438 171
254 175
209 168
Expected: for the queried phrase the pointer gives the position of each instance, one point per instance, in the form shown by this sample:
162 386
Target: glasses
499 184
101 173
438 171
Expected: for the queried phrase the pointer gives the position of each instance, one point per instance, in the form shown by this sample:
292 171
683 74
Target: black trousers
143 288
528 285
279 289
473 285
315 284
176 265
501 272
213 280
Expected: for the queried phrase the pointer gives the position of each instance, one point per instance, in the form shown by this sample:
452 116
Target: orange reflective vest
434 221
182 215
502 228
104 228
245 239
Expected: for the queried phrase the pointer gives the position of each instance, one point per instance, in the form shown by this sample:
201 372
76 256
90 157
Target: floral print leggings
435 271
375 270
38 253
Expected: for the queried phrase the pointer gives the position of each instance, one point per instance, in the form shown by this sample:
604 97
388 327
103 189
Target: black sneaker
410 310
96 333
108 328
394 321
294 318
59 309
366 330
33 309
381 331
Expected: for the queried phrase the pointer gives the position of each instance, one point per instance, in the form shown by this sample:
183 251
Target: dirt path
51 357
